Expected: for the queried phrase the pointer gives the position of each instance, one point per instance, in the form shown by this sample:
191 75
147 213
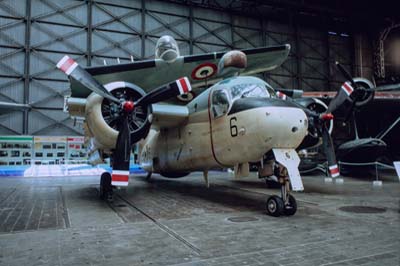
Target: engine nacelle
231 63
102 115
366 96
313 139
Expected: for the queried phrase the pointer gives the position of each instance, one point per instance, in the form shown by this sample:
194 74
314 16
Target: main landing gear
106 189
285 204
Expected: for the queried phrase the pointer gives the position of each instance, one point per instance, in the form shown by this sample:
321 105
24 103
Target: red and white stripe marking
67 65
348 89
281 95
120 178
183 85
334 170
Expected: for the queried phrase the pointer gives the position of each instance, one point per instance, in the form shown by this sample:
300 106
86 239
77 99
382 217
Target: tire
105 186
291 209
275 206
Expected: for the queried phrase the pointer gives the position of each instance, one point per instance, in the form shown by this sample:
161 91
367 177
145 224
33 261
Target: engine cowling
102 115
313 138
365 96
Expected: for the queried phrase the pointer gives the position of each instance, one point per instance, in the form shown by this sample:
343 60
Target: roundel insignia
204 71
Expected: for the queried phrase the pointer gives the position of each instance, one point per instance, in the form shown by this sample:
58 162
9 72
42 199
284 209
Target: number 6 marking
234 130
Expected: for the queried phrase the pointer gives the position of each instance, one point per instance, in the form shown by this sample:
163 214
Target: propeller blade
71 68
392 87
344 93
329 151
346 74
121 155
175 88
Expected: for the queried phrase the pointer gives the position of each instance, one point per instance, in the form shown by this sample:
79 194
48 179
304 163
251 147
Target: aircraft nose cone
285 126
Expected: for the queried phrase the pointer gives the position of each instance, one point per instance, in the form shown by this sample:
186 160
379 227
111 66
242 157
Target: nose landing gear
285 204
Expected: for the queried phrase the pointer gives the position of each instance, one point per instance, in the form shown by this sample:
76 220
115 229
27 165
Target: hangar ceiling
35 34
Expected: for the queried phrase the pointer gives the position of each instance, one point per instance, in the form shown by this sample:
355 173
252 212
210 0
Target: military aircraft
185 125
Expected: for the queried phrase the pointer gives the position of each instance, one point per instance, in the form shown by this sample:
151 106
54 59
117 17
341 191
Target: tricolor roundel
204 71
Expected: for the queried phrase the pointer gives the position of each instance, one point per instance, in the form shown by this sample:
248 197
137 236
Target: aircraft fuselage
243 132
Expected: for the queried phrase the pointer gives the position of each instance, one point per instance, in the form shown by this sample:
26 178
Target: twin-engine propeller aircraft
182 126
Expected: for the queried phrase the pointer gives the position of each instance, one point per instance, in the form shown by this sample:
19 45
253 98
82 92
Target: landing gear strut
286 204
106 189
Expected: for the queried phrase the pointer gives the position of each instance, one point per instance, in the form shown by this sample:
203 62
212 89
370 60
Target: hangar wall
35 34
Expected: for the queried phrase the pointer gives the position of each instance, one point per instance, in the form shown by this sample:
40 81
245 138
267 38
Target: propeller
125 108
350 90
345 92
318 126
71 68
327 146
346 74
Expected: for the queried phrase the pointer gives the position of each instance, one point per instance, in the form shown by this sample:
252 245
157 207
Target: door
222 127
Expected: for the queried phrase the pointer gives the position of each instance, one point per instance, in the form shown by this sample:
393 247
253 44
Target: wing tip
62 61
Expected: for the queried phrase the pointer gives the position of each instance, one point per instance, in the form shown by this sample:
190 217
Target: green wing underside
150 74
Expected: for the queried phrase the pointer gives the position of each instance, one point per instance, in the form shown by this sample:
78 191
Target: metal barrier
377 182
322 168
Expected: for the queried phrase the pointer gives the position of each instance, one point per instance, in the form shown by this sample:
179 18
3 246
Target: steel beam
27 64
89 30
191 29
143 29
298 57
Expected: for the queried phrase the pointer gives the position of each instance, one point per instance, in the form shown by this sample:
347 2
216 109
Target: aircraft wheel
275 206
106 188
291 208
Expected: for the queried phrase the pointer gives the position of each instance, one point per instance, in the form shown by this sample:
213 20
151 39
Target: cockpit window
167 48
251 90
220 102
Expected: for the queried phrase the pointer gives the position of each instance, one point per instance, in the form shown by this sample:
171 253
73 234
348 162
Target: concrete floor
61 221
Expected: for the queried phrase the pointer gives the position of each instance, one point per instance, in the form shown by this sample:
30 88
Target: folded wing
198 68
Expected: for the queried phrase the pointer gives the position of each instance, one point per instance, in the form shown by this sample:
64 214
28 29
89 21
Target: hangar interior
35 33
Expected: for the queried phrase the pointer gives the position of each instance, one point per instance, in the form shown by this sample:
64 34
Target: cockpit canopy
167 49
223 97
